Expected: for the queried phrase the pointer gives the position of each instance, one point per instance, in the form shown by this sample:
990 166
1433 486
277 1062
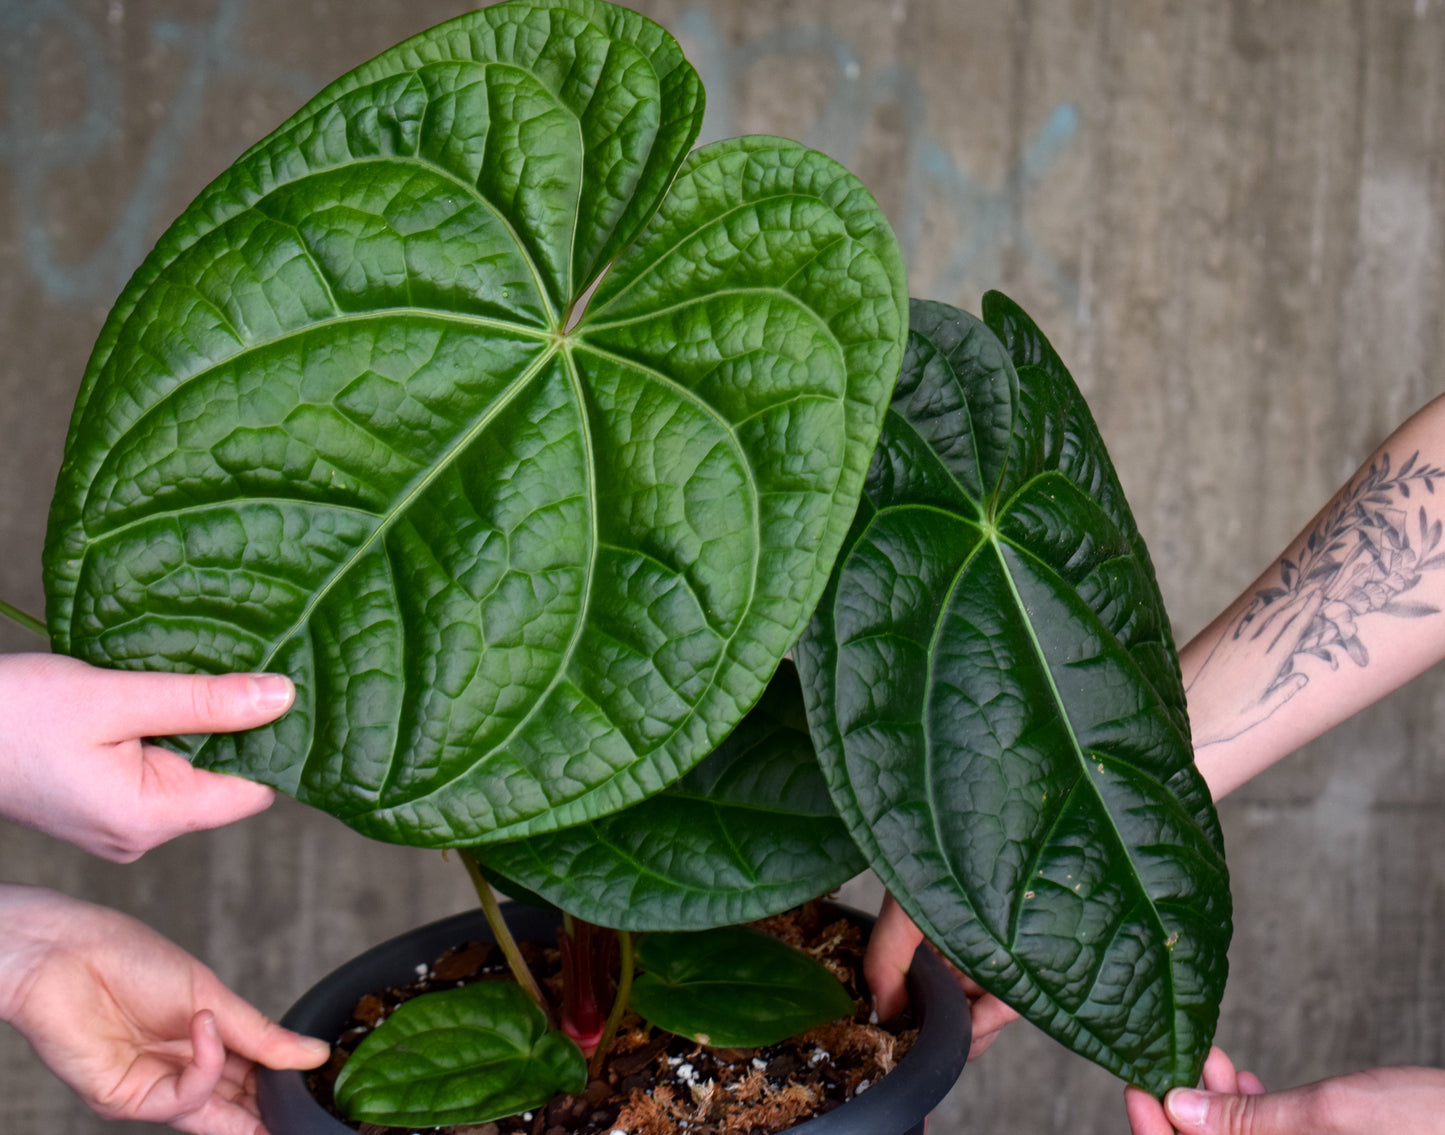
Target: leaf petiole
505 941
619 1005
29 622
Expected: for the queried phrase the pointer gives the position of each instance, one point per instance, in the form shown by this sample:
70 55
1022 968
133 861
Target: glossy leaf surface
467 1055
993 687
733 987
527 567
748 833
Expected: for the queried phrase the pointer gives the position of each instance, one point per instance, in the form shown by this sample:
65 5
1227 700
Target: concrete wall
1228 217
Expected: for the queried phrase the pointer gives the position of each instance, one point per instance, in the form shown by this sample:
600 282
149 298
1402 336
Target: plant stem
503 935
619 1004
29 622
584 950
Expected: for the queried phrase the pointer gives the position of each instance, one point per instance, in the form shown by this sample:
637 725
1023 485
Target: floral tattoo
1360 558
1368 550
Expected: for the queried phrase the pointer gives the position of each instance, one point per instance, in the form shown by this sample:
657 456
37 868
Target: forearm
1349 612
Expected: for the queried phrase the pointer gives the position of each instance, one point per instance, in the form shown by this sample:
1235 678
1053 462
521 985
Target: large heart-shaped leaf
527 566
459 1056
733 987
993 688
748 833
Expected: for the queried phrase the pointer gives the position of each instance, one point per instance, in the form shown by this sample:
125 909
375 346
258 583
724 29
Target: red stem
584 982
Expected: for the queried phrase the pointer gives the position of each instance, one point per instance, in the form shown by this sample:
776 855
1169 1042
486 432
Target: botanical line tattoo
1366 551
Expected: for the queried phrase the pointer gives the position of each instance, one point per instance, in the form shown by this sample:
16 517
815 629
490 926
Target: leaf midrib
1080 755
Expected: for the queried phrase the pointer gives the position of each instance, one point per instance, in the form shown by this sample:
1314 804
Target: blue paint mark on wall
986 218
36 156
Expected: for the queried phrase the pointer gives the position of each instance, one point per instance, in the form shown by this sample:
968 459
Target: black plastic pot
896 1105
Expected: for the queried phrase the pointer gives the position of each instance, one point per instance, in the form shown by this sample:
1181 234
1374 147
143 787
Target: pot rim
898 1102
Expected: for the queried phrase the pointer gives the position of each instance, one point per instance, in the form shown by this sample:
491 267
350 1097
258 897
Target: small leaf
1409 610
747 834
733 987
467 1055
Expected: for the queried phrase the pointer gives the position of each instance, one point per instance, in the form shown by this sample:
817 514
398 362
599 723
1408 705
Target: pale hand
885 968
74 762
137 1027
1401 1101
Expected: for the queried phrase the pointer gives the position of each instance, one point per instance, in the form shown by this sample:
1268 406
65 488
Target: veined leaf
733 987
993 688
526 567
748 833
467 1055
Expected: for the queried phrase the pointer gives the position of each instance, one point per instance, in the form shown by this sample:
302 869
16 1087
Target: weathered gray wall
1228 216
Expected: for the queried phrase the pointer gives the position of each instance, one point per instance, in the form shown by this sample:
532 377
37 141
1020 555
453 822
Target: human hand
74 762
133 1024
1402 1101
885 968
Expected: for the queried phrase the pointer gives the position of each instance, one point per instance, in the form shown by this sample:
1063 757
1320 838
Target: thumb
888 958
251 1034
159 705
1195 1113
1281 693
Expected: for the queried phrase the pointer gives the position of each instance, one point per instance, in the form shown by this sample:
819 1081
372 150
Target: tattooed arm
1351 611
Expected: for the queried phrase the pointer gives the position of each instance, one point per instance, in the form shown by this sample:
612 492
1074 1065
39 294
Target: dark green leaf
467 1055
733 987
345 423
993 687
748 833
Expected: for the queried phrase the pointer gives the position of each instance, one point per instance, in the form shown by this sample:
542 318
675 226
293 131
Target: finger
1146 1114
890 953
1219 1073
219 1117
253 1036
989 1016
1250 1084
1281 693
159 705
171 1097
176 794
198 1081
1198 1113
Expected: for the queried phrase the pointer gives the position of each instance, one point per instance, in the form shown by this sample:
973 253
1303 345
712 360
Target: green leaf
994 691
467 1055
526 566
733 987
748 833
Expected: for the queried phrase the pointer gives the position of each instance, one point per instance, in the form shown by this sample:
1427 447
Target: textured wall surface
1227 216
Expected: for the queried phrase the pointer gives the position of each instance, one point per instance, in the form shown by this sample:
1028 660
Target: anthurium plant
531 442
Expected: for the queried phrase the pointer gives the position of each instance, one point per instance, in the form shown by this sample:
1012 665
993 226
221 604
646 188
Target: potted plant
897 1103
530 441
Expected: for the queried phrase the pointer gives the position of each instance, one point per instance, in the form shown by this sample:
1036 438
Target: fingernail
317 1050
1186 1106
271 692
